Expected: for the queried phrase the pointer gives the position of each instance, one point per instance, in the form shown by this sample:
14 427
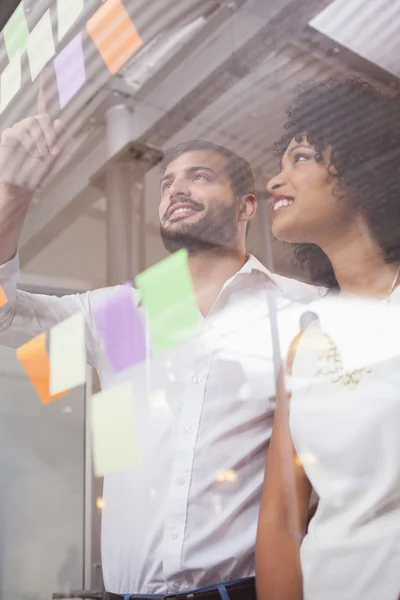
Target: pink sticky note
69 66
121 328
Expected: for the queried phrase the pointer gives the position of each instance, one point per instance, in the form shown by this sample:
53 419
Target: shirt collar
296 290
253 264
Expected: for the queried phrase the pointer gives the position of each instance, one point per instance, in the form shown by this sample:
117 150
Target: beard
217 229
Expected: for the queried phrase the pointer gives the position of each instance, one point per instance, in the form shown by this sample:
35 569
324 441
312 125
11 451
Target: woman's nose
275 183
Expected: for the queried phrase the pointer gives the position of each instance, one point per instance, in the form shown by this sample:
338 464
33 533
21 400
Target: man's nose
178 188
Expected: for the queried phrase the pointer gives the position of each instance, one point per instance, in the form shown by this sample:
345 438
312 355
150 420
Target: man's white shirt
187 516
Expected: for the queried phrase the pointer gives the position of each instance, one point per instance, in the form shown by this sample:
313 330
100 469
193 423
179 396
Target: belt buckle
182 596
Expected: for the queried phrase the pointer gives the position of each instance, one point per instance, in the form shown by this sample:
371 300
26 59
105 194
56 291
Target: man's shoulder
288 286
100 295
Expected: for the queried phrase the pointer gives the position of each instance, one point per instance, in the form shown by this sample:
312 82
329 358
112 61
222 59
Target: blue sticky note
121 328
69 66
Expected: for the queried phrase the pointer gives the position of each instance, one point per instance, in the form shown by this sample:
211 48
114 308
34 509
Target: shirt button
177 585
180 481
196 379
175 536
188 429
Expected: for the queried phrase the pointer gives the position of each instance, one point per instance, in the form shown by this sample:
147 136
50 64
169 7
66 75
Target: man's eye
166 186
199 176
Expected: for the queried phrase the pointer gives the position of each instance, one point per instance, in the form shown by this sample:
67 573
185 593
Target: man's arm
26 315
28 153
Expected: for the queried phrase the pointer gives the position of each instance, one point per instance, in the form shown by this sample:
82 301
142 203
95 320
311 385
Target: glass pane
41 482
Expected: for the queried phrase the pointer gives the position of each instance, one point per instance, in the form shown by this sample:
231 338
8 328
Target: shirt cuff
9 275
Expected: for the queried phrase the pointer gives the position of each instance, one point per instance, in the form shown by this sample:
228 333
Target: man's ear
248 207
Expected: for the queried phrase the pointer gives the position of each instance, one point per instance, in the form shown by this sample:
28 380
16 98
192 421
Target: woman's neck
359 264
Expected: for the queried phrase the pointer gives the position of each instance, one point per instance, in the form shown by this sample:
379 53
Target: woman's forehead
300 139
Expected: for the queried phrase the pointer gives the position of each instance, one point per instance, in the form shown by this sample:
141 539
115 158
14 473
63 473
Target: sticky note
3 297
168 296
68 12
114 34
69 66
121 328
36 362
40 45
10 82
16 33
115 439
67 354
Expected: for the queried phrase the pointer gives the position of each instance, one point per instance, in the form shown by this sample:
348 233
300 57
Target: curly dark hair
361 126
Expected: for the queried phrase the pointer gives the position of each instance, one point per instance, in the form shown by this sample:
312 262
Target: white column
265 232
118 189
138 241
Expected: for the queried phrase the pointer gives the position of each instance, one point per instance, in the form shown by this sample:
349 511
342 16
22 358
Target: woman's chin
284 233
289 229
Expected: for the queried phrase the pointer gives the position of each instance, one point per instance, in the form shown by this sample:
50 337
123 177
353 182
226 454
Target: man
186 518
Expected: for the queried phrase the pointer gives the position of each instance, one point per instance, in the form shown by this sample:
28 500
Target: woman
337 198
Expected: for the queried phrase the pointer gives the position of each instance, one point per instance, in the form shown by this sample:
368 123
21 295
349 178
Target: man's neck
210 270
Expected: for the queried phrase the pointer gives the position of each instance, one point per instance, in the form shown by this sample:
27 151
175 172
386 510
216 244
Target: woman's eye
301 157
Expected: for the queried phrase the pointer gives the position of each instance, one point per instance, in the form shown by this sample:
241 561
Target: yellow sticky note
114 34
10 82
3 297
35 360
68 12
114 431
40 45
67 354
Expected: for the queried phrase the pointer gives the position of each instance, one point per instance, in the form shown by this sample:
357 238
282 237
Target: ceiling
228 81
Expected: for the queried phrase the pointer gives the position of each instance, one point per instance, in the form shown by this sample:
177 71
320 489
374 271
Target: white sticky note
68 12
114 431
10 82
67 354
40 45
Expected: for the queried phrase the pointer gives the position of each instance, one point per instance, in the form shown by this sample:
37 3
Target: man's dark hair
237 168
361 126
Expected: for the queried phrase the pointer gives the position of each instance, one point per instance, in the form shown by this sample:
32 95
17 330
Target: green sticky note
169 298
16 33
10 82
68 12
40 45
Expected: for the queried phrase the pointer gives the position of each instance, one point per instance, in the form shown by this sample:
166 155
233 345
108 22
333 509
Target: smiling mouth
281 203
181 213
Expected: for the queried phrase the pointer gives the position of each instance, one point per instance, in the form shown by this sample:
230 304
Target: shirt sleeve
26 315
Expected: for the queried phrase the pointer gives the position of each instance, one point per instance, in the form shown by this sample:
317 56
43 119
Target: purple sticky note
70 70
121 328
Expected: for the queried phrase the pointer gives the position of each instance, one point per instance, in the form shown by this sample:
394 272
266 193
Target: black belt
240 590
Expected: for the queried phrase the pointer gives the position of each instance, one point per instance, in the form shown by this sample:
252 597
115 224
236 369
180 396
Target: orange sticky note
3 297
34 358
114 34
